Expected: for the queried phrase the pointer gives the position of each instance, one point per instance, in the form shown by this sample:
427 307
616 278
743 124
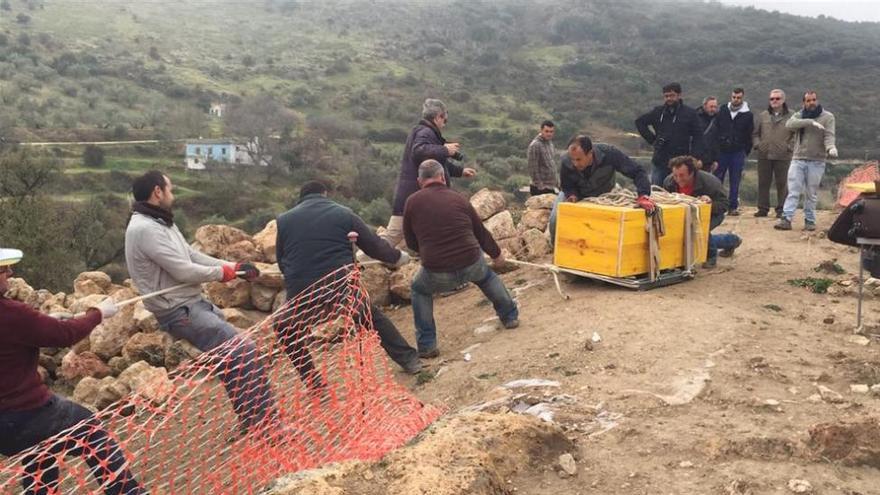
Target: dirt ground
706 387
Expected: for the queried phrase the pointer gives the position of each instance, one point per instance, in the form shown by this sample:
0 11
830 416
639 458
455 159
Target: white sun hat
10 256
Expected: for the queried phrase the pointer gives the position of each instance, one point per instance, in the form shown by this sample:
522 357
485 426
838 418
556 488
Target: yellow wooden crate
612 240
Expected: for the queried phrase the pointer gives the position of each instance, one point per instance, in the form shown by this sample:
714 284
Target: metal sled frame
644 282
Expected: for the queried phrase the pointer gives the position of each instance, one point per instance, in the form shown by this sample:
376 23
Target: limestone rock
54 304
147 381
80 305
541 202
265 241
110 390
108 338
82 346
75 366
149 347
240 318
39 298
402 278
534 219
488 203
86 391
144 320
512 246
179 352
19 290
568 465
217 240
377 281
88 283
263 297
270 275
501 226
233 294
535 244
244 250
279 301
118 364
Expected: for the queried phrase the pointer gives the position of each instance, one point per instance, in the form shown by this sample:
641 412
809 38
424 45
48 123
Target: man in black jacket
589 170
312 242
687 179
708 114
735 124
673 129
425 142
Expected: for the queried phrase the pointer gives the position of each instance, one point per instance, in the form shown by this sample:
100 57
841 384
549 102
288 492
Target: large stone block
488 203
534 219
401 280
377 281
541 202
263 297
535 244
265 241
76 366
149 347
233 294
88 283
108 338
147 381
501 226
227 243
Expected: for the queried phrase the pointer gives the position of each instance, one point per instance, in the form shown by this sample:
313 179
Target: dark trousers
536 191
294 331
775 171
20 430
733 162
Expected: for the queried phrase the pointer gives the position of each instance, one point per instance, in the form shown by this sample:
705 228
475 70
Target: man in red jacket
30 413
443 227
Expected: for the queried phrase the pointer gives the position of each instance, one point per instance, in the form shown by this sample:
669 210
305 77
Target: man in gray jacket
774 143
158 257
813 141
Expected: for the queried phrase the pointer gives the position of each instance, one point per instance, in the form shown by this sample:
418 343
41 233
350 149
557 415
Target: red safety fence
307 386
865 173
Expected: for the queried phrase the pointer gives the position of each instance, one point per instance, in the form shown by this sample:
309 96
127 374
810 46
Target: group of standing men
791 147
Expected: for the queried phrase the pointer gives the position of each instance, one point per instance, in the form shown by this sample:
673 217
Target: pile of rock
130 354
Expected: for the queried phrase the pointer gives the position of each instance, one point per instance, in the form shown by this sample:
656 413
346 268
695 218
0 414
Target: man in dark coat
425 142
312 242
686 178
673 129
708 114
735 124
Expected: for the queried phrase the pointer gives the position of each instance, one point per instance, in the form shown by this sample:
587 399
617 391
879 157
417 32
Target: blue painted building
204 150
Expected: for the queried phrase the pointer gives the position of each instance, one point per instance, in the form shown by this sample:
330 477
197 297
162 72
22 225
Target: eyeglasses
775 98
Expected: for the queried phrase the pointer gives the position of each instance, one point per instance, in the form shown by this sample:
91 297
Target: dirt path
738 350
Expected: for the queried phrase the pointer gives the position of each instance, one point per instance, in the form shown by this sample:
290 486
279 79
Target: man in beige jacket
774 143
814 140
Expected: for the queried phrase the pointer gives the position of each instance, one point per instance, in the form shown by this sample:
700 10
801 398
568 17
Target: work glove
246 271
818 126
646 203
107 307
403 260
832 152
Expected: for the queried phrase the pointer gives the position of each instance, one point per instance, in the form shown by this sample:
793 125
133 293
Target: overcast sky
852 10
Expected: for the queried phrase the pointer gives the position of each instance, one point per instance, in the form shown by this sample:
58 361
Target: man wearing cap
158 257
30 413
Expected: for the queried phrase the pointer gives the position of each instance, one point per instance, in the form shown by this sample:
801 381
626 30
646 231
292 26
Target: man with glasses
735 124
425 142
813 142
774 143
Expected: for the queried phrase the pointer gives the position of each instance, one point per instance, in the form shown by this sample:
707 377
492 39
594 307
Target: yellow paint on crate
613 241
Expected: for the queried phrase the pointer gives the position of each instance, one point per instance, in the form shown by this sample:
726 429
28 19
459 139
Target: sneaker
710 263
430 353
413 367
727 253
733 213
761 213
510 324
783 224
809 226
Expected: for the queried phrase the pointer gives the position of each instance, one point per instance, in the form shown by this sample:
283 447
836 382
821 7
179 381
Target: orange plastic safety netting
307 386
863 174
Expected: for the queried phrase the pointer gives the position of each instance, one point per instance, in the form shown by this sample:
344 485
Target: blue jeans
242 374
21 430
659 173
804 177
720 241
553 211
733 162
426 283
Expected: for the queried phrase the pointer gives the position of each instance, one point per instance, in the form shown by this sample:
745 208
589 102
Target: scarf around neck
156 212
806 114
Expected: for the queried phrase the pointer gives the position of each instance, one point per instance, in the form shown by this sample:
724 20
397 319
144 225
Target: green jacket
771 138
810 142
